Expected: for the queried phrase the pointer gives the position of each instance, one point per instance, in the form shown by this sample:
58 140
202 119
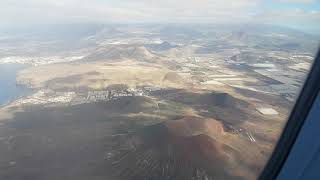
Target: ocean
9 90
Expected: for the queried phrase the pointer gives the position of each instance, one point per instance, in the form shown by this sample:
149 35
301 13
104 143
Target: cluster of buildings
105 95
49 97
37 61
238 130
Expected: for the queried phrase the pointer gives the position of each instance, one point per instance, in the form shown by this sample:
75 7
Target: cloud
125 10
294 18
131 11
297 1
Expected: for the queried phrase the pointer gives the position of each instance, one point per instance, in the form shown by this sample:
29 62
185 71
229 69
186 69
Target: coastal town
51 98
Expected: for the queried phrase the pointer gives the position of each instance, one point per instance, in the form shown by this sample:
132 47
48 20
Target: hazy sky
301 14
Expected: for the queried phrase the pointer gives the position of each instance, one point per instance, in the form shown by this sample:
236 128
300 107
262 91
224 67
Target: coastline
12 90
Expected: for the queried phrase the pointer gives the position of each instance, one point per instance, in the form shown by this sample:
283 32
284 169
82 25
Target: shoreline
17 90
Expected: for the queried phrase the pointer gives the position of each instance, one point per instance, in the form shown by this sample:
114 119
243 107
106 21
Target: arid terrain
173 103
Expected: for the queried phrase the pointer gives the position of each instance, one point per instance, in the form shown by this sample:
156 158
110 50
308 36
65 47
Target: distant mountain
106 32
265 37
117 52
180 31
161 47
172 77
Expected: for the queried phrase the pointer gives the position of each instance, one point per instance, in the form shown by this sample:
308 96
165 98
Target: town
70 98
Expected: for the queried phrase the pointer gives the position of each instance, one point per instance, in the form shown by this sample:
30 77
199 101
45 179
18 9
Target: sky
298 14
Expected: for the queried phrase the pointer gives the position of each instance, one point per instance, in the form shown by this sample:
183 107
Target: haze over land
127 90
150 101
